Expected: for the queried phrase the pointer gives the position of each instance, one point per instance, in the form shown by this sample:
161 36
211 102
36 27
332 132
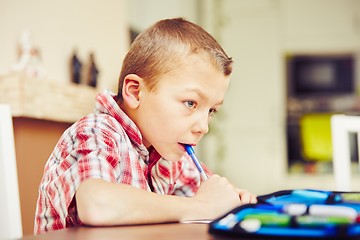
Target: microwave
320 75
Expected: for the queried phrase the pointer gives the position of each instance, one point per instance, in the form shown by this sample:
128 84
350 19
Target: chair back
341 127
10 214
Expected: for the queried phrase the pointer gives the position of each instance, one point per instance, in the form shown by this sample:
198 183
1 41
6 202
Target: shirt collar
105 103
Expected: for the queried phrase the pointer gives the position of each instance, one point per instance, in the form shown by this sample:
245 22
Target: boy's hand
245 196
218 196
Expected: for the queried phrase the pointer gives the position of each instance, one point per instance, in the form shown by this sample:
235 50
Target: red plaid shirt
105 145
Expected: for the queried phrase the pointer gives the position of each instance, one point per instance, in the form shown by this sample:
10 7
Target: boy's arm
100 203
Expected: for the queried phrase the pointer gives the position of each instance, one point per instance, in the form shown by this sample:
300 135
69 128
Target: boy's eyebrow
202 94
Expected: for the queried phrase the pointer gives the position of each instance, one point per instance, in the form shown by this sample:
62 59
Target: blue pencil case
293 214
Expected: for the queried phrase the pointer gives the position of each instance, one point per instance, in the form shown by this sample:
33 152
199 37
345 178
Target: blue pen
191 153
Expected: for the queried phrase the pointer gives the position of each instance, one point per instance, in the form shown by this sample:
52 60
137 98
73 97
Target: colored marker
293 209
189 149
250 225
229 221
350 197
332 211
311 195
271 219
319 221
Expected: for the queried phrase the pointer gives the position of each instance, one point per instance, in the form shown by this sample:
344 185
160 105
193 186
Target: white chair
341 126
10 214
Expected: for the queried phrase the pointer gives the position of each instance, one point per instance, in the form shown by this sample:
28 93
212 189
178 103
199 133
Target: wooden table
171 231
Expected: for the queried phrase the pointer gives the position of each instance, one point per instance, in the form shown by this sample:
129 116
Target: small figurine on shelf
75 68
93 71
29 61
34 67
24 52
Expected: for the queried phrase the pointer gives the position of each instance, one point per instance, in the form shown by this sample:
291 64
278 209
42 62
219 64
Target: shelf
45 99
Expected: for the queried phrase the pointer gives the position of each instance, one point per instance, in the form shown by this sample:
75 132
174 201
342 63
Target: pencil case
293 214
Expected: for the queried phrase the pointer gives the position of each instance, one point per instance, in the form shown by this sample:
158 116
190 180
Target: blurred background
296 64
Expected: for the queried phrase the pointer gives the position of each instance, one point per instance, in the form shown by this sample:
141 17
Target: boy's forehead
196 77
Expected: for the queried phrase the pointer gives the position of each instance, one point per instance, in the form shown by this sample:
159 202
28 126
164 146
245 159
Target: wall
328 25
254 107
57 27
152 11
259 34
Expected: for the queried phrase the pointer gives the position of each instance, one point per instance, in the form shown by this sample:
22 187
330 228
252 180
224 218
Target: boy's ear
131 90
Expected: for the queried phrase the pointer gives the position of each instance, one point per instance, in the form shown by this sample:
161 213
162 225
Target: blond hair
161 47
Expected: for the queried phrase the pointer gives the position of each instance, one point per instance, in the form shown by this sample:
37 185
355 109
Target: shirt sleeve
88 150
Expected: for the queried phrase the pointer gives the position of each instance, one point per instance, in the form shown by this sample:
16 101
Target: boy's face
179 110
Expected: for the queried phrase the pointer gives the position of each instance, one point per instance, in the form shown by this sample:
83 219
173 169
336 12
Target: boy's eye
212 111
190 104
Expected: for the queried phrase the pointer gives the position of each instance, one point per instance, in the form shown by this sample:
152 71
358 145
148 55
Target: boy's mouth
183 145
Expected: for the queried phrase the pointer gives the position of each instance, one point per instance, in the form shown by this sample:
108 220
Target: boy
109 168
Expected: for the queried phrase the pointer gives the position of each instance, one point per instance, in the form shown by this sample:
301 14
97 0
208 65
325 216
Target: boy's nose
202 124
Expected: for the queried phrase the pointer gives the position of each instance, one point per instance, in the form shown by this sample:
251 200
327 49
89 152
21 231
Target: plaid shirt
107 145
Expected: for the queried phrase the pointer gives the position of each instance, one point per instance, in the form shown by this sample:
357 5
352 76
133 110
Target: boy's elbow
91 204
88 215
